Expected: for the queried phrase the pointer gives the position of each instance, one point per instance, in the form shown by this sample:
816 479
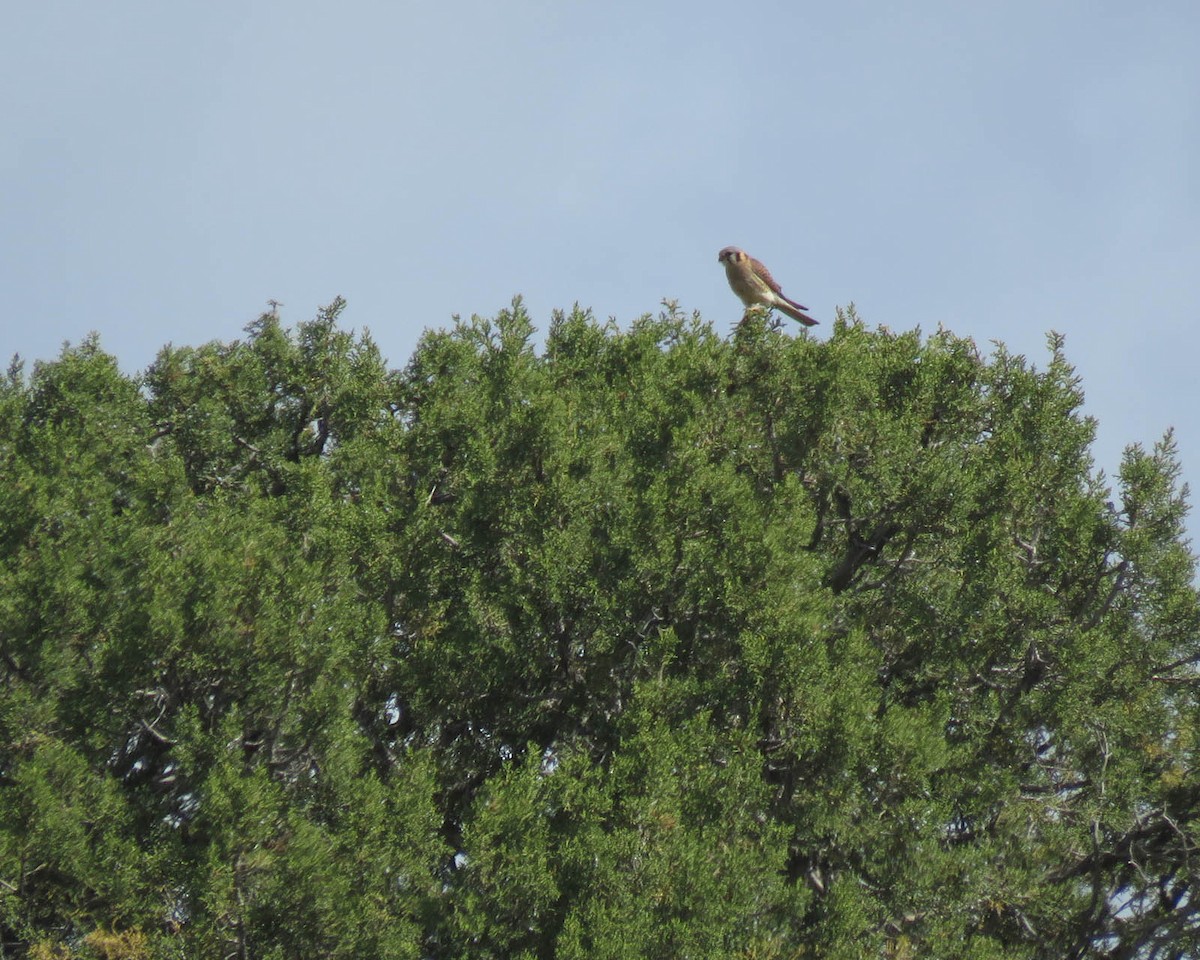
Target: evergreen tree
646 644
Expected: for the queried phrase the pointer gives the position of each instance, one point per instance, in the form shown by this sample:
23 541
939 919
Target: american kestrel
753 283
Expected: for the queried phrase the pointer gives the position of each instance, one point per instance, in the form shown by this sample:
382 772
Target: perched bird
753 283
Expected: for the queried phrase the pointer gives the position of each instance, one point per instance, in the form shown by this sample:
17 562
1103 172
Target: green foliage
646 644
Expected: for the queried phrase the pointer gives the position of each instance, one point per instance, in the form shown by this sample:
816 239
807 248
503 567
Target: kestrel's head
731 255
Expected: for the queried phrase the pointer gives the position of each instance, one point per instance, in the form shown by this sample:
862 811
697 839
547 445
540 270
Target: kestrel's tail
793 310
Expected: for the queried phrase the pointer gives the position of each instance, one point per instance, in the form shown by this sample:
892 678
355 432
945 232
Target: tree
651 643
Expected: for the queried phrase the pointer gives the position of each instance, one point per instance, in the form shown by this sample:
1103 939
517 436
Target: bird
753 284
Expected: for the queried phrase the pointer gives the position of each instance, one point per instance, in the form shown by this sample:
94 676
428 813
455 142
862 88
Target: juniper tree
648 642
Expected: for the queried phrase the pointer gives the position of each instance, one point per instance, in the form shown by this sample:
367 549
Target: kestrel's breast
749 289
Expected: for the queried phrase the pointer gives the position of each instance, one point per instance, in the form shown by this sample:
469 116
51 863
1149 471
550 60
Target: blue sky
1000 169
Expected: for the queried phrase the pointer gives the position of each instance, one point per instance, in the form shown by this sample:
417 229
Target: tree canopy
634 643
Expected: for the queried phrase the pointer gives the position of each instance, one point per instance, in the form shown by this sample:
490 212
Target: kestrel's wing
764 275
